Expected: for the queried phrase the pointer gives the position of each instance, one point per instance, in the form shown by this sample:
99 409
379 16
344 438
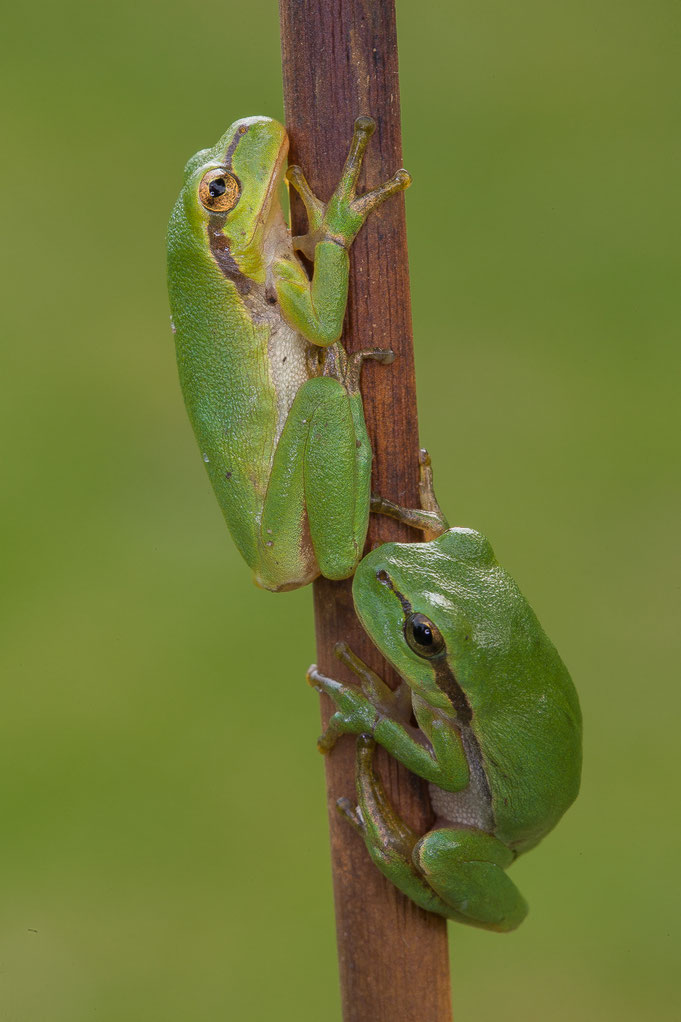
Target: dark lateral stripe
238 135
219 245
447 683
444 676
385 579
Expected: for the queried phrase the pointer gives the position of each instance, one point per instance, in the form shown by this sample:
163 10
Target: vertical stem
339 61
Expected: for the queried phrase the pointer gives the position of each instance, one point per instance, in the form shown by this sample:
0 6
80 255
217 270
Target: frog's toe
364 204
365 749
364 125
326 742
331 734
352 813
322 683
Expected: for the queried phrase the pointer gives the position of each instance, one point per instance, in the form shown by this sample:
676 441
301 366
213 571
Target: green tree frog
497 730
272 395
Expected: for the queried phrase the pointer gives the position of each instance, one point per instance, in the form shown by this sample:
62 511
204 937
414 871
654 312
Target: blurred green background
164 847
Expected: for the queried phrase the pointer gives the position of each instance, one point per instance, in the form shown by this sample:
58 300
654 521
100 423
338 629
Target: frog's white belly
471 807
289 367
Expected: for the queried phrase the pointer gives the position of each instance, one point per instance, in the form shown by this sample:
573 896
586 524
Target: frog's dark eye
219 191
423 636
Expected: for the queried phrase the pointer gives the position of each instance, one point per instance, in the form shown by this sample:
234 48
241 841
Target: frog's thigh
466 868
315 475
337 480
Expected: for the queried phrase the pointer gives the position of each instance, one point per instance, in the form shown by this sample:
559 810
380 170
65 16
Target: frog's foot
457 872
334 361
352 814
395 704
426 488
466 868
355 714
340 219
431 523
344 195
347 211
365 204
357 359
429 518
360 708
364 128
314 208
389 840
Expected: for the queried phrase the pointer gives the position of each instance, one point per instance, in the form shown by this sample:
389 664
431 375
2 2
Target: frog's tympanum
272 395
497 730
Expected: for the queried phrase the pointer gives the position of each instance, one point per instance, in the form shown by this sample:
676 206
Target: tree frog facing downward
272 395
498 724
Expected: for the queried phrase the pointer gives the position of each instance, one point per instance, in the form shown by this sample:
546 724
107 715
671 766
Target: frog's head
230 194
444 613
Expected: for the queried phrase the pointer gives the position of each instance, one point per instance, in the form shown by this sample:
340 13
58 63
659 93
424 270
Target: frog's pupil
217 187
423 634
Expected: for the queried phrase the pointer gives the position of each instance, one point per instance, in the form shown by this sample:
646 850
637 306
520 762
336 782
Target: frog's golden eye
423 636
219 191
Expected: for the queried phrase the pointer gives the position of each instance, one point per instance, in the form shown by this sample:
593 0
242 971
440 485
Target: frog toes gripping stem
340 219
351 813
429 518
347 188
355 713
314 209
457 872
357 359
395 703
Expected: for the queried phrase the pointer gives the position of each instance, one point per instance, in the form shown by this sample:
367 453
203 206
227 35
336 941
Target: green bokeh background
164 846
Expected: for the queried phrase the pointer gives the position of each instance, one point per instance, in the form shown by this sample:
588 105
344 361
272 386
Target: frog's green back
528 722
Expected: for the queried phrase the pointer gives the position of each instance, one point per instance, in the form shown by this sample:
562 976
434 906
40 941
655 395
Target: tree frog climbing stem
498 724
272 395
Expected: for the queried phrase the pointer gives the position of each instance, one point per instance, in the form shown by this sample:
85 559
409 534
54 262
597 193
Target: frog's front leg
456 872
372 708
316 309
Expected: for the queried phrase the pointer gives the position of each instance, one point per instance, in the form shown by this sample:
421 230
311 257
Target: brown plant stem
340 60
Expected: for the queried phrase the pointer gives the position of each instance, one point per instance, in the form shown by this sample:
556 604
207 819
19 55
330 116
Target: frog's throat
445 679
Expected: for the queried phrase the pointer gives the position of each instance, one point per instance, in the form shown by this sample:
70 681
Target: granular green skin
498 733
270 392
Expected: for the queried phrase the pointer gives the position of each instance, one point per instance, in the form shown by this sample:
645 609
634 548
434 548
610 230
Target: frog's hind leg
466 868
456 872
338 482
316 510
389 841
